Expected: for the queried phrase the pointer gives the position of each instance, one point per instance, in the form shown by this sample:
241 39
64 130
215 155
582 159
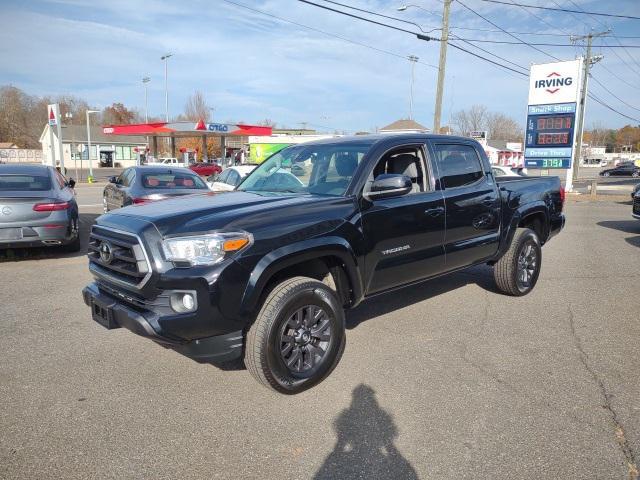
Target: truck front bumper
112 313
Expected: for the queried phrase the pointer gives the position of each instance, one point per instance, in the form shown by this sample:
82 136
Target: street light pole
69 116
146 80
413 59
165 58
89 144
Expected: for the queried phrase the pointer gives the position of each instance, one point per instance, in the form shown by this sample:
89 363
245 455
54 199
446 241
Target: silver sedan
37 208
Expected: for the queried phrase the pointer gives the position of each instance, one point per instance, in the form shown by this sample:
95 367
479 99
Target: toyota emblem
106 252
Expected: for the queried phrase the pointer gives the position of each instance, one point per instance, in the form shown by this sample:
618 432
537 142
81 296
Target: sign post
53 121
550 135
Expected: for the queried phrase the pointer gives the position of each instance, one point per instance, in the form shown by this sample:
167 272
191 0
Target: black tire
74 245
606 174
279 332
517 272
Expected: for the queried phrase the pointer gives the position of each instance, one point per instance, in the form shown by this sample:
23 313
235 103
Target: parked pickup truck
266 272
168 162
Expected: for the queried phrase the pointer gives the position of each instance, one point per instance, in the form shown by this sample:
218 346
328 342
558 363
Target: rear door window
458 165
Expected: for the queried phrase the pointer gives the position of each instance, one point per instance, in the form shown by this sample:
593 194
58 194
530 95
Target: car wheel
516 273
105 207
74 245
298 336
606 174
635 174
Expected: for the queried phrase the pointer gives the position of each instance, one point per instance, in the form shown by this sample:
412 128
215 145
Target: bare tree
267 122
501 127
196 108
467 120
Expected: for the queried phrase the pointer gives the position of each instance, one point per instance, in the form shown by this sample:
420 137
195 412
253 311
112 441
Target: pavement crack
620 434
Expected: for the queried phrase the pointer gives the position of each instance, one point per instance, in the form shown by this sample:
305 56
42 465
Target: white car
168 162
230 178
503 171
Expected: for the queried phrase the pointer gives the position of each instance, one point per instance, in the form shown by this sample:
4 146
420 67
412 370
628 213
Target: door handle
434 212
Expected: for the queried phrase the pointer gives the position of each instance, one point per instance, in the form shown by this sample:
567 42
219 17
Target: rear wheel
74 245
298 336
635 174
105 207
606 174
516 273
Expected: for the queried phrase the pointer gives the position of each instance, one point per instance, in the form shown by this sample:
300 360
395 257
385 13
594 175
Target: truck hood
219 210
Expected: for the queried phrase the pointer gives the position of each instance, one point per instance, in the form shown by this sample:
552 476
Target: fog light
188 301
183 302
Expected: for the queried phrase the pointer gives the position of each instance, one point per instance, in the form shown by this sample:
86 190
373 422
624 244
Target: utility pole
413 59
586 66
441 66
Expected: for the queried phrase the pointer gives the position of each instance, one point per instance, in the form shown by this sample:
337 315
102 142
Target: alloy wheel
527 264
304 339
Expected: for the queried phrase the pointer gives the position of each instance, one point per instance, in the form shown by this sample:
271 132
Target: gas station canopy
186 129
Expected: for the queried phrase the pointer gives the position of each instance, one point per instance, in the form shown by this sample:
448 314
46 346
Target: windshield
172 180
25 183
319 169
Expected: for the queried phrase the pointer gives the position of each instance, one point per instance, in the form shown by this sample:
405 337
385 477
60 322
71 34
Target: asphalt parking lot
447 379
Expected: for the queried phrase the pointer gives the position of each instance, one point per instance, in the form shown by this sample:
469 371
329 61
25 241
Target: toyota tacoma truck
265 273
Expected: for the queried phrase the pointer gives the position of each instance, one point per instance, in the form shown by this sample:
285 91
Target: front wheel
516 273
298 336
606 174
635 174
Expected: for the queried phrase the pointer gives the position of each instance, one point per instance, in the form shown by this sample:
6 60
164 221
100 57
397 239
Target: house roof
8 145
78 133
404 124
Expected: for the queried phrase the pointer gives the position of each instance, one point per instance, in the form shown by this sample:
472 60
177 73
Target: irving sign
554 83
551 115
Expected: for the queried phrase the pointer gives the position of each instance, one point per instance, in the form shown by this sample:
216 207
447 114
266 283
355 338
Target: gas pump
189 155
142 152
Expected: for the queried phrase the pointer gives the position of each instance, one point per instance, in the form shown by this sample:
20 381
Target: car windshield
172 180
26 183
324 169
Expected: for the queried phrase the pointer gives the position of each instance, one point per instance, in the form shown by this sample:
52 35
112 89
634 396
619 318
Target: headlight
204 249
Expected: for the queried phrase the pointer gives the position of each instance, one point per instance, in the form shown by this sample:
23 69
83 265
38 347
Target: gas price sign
551 115
549 140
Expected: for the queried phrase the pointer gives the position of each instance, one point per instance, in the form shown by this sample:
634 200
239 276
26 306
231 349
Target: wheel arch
312 258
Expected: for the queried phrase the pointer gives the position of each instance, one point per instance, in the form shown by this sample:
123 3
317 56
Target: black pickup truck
265 272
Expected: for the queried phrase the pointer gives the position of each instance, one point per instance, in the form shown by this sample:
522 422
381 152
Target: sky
251 66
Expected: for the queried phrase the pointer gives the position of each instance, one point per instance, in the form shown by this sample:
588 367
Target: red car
205 168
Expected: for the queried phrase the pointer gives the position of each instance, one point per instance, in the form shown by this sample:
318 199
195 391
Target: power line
595 98
613 94
620 78
541 19
510 34
324 32
418 35
567 10
506 42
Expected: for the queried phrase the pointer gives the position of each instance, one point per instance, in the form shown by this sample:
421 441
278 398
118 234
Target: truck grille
636 205
118 257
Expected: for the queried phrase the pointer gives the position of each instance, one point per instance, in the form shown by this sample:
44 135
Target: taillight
563 194
51 207
140 200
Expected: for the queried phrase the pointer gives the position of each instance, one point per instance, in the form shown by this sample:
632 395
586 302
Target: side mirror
389 185
113 179
71 183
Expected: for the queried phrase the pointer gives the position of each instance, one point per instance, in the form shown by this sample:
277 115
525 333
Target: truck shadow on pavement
626 226
365 446
481 275
39 253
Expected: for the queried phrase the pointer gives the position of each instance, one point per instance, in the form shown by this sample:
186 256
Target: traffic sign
53 121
